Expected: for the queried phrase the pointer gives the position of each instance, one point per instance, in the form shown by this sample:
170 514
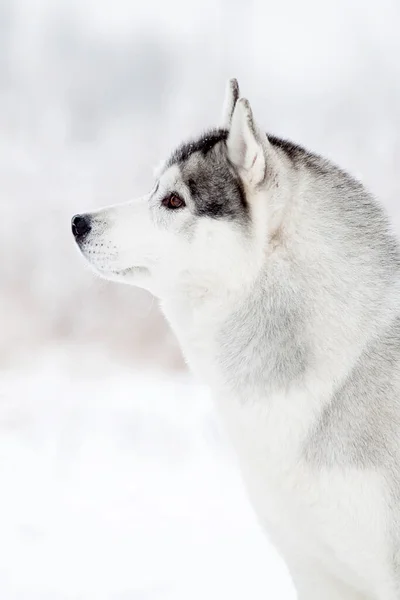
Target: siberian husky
281 279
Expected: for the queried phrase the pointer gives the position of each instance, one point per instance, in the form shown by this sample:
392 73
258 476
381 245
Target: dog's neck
242 339
268 338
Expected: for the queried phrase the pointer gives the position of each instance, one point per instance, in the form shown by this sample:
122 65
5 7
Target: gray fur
203 144
271 319
216 189
316 319
361 425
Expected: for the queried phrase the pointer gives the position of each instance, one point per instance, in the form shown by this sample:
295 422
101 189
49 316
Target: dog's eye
173 201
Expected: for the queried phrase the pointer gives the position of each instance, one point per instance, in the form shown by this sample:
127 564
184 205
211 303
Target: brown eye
173 201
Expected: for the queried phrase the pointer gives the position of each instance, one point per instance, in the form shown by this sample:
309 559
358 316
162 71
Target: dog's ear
231 97
248 148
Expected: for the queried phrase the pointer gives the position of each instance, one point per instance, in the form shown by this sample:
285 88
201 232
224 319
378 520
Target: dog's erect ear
248 148
231 97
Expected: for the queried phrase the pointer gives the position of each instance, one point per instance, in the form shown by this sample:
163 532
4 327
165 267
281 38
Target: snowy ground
122 486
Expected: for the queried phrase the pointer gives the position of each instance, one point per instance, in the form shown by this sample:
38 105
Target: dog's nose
80 225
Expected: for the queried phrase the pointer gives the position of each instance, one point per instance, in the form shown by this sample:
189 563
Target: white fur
245 146
330 524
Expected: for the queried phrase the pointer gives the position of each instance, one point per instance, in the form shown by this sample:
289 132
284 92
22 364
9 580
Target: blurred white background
117 481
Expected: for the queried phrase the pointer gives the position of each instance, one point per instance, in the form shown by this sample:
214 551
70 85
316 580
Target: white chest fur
331 519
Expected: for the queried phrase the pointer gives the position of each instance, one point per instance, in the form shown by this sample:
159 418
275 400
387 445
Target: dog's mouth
103 256
104 267
132 271
102 263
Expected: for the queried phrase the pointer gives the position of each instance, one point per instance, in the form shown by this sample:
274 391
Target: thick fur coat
281 279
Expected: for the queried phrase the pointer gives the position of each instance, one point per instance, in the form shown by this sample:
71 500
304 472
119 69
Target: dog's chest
335 518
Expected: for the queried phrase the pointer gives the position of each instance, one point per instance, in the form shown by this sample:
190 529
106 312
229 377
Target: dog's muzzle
81 226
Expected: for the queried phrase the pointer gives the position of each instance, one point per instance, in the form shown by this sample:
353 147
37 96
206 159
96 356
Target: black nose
80 225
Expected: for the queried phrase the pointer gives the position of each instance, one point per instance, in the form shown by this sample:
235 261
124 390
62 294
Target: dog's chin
131 275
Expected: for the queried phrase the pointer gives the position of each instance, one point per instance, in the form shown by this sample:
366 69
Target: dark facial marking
215 187
192 187
204 144
213 183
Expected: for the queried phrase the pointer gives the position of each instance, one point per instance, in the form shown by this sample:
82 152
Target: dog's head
206 221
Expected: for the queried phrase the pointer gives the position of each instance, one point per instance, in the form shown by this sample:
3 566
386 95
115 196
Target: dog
280 276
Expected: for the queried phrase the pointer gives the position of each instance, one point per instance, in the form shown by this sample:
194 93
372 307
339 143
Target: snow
121 485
